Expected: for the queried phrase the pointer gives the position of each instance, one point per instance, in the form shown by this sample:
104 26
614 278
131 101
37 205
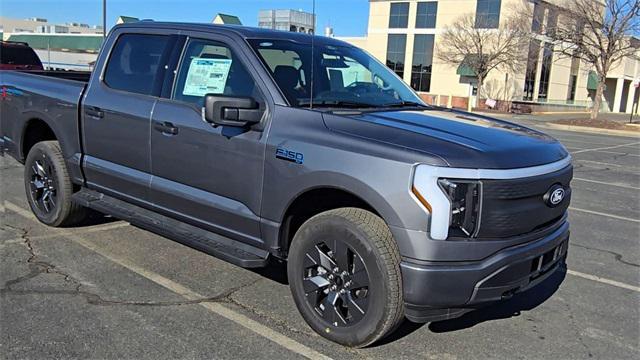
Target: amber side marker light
422 200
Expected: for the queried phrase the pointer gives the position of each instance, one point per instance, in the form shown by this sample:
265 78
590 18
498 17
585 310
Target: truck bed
30 97
82 76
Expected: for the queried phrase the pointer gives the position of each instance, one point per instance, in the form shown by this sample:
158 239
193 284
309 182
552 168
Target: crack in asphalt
617 256
38 267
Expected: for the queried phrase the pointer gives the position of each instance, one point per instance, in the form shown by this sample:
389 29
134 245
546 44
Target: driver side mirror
223 110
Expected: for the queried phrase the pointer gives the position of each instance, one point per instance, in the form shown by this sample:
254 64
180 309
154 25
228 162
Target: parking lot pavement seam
616 256
36 266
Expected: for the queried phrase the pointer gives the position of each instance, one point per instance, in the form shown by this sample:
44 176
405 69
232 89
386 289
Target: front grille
514 207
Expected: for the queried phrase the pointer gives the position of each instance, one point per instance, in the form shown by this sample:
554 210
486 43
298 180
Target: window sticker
206 76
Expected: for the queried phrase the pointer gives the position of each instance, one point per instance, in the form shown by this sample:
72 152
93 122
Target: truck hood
458 138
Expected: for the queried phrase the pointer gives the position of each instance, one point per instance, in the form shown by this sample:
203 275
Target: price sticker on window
206 76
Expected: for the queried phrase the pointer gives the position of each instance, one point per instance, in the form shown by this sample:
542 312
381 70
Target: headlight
464 197
453 203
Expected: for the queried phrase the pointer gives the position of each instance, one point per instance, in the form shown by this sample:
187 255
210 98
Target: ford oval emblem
554 196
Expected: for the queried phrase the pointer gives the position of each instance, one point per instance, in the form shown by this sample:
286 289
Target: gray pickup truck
253 145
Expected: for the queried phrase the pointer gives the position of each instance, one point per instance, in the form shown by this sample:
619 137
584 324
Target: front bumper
442 290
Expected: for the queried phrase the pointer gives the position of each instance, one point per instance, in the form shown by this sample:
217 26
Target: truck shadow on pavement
513 307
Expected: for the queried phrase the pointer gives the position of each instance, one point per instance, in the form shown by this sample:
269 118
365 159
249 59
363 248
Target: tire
45 172
368 244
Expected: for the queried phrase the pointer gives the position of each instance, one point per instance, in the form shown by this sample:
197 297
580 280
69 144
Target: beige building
404 35
39 25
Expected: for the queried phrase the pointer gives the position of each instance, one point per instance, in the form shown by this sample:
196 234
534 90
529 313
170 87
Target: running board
211 243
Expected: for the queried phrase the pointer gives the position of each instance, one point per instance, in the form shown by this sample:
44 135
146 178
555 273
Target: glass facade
573 78
532 67
396 47
545 72
399 17
488 14
422 62
426 15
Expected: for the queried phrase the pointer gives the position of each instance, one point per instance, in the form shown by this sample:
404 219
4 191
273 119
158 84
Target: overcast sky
348 17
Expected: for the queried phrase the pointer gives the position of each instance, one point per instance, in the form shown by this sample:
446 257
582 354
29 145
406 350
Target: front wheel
344 274
49 186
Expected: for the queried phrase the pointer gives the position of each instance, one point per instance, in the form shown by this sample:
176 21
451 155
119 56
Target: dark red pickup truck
18 56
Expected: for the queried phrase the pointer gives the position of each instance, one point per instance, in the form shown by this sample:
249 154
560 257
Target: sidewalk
547 121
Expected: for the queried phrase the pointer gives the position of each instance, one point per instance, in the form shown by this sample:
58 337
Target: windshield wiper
338 103
404 103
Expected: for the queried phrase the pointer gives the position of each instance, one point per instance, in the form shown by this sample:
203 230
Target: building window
422 63
396 46
545 72
552 22
426 16
538 16
488 14
532 67
573 78
399 17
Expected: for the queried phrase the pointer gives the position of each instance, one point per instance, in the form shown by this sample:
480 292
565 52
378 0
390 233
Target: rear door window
134 63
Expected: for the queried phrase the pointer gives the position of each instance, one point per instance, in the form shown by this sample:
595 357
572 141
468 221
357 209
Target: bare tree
483 50
598 32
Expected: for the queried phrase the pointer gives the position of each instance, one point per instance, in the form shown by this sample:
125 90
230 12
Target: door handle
94 112
166 128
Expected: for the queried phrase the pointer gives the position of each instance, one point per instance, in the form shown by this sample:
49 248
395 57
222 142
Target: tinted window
488 14
422 62
210 67
18 55
399 17
426 15
133 64
396 46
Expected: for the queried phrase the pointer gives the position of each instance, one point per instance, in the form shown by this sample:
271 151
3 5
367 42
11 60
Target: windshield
343 76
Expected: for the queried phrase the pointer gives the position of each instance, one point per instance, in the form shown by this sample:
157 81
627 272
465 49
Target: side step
211 243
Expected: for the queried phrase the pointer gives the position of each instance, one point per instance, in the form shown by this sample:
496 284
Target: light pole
104 18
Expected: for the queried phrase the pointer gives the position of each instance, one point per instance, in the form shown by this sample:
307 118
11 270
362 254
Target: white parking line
189 294
604 214
606 148
608 183
627 167
603 280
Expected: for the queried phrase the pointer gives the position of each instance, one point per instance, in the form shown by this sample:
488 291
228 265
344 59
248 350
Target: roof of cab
243 31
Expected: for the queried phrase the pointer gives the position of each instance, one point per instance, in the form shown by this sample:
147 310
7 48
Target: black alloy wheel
344 273
49 187
43 185
336 282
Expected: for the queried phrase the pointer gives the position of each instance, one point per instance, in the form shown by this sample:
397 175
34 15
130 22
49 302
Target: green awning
229 19
464 70
88 43
592 80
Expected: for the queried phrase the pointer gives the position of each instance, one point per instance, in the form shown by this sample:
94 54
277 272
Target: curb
590 130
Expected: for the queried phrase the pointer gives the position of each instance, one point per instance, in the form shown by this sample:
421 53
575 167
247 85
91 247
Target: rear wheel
49 186
344 274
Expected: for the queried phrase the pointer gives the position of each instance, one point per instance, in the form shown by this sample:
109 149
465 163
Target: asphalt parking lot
110 290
